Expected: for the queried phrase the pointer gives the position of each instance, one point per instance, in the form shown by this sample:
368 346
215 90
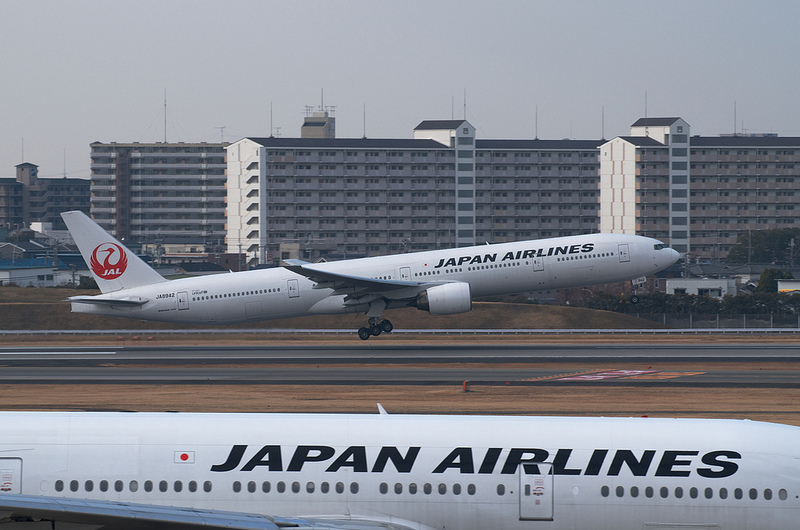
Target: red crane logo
113 264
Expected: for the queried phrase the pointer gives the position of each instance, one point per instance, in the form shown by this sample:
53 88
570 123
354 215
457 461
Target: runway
699 366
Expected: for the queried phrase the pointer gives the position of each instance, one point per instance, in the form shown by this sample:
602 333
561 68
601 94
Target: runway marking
610 374
663 375
58 353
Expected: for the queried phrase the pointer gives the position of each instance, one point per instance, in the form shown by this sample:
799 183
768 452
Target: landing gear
375 328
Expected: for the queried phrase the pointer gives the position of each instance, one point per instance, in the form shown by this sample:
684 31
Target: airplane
132 470
442 282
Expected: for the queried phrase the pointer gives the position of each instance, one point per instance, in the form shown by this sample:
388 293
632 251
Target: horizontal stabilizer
129 300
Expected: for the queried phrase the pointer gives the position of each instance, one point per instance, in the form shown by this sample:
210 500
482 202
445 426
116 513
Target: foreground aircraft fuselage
441 282
420 472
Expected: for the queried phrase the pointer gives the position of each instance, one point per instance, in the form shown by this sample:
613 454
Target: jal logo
108 261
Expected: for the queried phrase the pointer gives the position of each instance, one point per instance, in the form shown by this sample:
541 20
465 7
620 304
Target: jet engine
447 299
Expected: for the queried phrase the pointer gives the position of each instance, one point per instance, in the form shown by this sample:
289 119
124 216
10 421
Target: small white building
712 287
789 286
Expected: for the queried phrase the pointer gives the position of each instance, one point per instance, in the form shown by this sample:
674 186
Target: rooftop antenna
270 121
364 122
165 115
646 128
452 107
536 124
23 151
734 117
465 103
221 133
603 123
65 162
322 99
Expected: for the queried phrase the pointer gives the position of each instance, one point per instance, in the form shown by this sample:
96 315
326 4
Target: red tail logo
113 264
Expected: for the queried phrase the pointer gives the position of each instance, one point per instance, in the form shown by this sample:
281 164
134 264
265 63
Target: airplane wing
131 516
335 281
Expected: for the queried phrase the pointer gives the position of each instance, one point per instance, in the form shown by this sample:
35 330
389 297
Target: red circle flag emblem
108 261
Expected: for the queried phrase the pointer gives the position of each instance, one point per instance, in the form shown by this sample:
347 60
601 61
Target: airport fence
722 321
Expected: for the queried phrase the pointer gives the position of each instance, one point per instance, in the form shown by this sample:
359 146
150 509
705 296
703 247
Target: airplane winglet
382 411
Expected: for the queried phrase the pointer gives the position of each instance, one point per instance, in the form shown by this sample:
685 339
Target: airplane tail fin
113 266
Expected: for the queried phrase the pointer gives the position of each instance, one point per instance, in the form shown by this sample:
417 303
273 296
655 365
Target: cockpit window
659 246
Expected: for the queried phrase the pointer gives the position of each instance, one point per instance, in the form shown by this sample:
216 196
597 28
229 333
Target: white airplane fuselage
488 270
424 472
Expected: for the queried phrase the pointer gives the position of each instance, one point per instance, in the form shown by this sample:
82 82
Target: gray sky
73 72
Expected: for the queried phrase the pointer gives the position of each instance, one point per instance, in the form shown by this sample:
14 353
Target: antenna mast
165 115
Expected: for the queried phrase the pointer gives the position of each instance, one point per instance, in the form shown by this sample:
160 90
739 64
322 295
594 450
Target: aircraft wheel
364 333
376 329
634 299
387 326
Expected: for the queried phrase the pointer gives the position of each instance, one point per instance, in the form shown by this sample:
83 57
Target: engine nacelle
447 299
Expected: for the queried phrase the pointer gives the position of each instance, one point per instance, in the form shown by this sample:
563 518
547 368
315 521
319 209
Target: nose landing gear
374 328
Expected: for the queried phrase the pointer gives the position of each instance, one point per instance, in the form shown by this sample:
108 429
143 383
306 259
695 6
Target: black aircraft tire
387 326
364 333
376 329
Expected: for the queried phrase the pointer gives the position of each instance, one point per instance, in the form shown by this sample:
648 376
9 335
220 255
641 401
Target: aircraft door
183 300
293 287
405 274
624 253
10 475
536 494
538 264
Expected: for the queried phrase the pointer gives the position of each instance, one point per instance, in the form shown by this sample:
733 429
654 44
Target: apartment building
443 188
697 193
160 192
27 198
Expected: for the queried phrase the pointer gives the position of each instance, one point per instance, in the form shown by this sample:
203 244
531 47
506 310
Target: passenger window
709 493
295 487
148 485
162 486
133 486
782 494
678 492
339 487
664 492
634 491
354 487
501 489
383 488
207 486
753 493
471 489
177 486
620 491
310 487
737 493
723 493
398 488
324 487
412 488
265 487
237 486
280 486
427 488
118 486
648 492
693 493
456 489
442 489
251 487
103 485
59 485
604 491
192 486
88 485
73 485
768 494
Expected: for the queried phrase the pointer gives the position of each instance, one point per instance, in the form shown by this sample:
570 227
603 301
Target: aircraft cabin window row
133 486
495 266
591 256
232 295
694 493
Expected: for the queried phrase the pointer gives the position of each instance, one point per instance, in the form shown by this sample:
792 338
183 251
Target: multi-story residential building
160 192
443 188
697 193
28 198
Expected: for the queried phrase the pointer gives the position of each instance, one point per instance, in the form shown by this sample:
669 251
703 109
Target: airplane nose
675 255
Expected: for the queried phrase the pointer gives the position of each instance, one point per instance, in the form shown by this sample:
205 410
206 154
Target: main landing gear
375 328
